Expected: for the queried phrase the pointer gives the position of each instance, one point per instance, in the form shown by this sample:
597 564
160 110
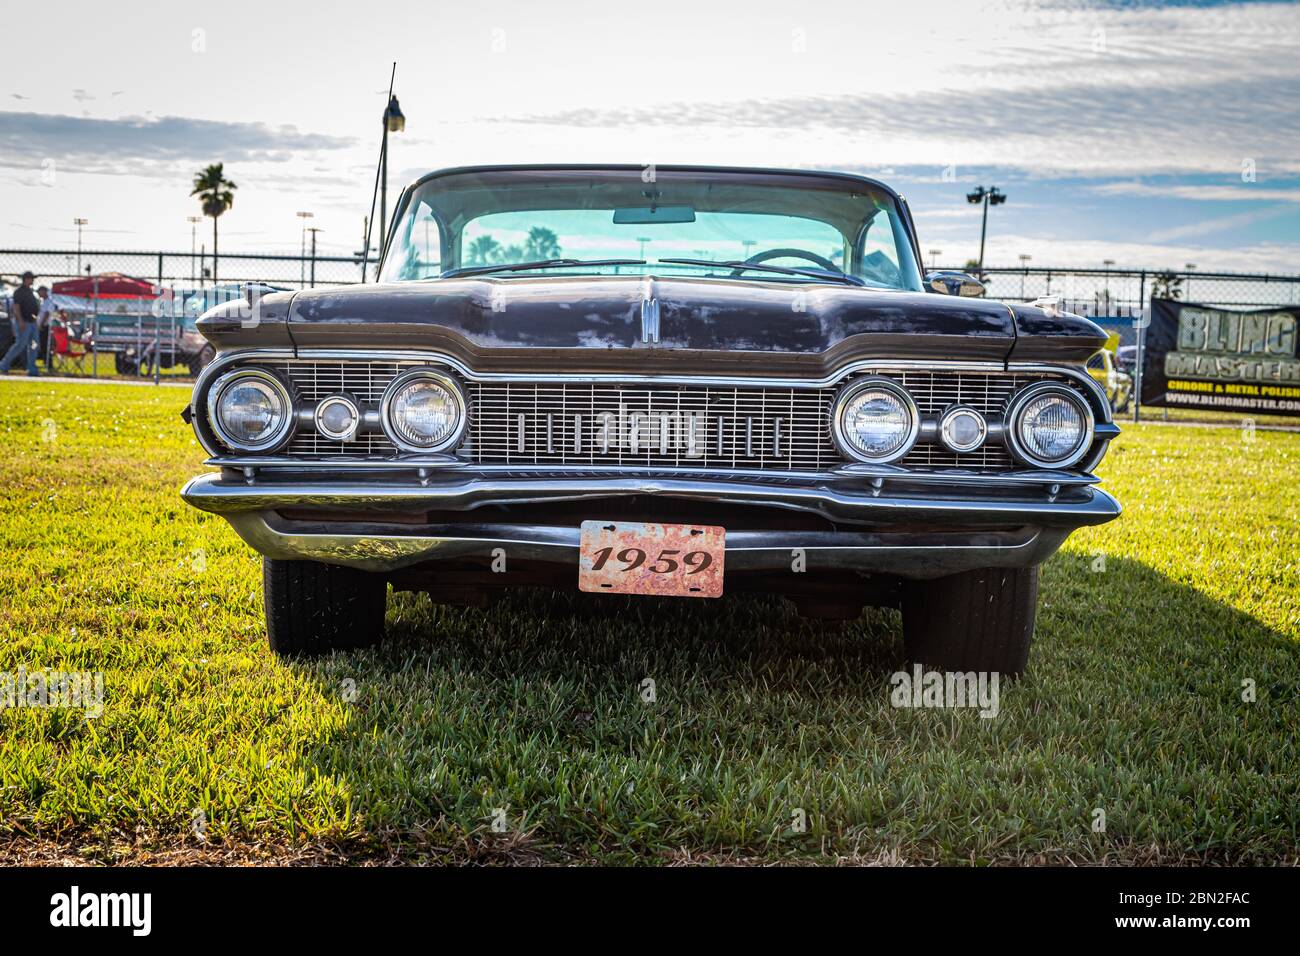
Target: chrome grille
734 427
668 426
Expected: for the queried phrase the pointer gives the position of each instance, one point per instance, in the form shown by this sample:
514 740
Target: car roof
758 171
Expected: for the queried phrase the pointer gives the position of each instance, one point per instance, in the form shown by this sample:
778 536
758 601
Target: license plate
675 560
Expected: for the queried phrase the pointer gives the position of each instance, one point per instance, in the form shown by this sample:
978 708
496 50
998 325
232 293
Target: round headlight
962 429
1051 426
876 421
337 418
423 411
250 410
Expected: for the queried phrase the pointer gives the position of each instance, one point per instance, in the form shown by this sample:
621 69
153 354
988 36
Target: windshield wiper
764 267
538 264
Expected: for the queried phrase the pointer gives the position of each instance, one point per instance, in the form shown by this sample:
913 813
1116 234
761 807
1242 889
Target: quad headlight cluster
253 410
1046 425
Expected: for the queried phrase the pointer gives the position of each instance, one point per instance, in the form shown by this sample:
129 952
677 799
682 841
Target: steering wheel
761 257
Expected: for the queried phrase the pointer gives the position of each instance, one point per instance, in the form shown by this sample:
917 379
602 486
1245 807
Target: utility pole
1106 295
313 230
79 223
302 249
989 197
364 255
194 225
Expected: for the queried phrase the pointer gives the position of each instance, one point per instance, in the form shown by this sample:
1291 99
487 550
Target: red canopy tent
107 285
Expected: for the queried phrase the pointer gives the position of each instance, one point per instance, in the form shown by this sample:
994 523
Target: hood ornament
649 314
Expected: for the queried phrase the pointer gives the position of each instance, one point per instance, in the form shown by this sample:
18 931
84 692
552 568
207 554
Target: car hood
596 324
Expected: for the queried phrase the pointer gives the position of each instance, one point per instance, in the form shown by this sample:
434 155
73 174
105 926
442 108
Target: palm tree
483 251
542 244
1167 285
216 195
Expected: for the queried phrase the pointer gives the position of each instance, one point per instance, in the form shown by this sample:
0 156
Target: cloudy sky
1153 134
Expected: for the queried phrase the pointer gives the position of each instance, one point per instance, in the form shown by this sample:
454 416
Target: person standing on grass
43 323
26 316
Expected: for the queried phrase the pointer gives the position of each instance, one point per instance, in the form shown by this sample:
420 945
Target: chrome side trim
825 381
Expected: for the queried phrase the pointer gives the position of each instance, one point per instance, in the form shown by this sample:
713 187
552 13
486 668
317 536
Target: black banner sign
1201 357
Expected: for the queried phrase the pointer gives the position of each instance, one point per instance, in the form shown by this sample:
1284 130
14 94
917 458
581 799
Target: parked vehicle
671 381
1126 358
1117 382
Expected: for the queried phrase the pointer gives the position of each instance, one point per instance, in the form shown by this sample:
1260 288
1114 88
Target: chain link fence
160 341
186 270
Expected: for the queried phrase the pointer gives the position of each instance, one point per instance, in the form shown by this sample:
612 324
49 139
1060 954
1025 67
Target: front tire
979 620
313 608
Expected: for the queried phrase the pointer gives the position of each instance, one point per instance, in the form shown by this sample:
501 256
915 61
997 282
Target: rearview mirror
949 282
649 215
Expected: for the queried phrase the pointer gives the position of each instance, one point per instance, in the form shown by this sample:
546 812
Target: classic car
654 380
1104 367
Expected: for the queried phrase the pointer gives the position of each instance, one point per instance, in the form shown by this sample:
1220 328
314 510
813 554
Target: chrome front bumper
915 532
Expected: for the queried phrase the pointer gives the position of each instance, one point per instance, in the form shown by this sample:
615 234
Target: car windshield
811 228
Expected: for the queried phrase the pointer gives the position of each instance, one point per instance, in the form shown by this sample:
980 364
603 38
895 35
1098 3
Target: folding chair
65 352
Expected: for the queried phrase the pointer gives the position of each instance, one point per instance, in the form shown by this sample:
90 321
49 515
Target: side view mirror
954 283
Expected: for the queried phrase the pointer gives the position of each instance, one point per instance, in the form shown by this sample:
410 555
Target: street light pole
988 197
394 122
79 223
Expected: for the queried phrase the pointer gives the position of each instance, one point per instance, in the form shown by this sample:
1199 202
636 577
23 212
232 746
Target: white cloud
1212 193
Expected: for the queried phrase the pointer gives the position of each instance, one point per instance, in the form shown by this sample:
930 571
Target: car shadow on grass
629 728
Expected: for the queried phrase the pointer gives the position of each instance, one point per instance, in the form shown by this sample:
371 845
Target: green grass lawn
1133 704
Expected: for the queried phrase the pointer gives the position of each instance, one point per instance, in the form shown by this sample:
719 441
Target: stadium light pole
934 258
1190 266
1024 271
988 197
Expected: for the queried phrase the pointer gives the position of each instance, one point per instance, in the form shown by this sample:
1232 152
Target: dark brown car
668 380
